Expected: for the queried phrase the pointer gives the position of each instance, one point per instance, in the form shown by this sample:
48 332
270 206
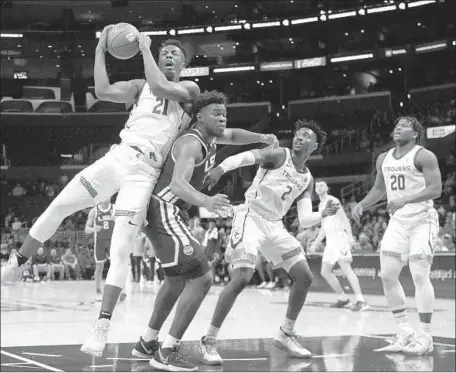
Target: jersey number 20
397 182
159 109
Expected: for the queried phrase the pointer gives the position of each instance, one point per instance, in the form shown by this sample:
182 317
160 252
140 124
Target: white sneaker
422 344
262 285
289 342
97 341
208 350
99 297
11 272
398 342
270 285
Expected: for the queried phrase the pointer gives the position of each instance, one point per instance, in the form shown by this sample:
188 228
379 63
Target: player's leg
99 253
327 265
93 184
286 252
270 273
242 254
393 256
422 240
261 272
131 206
345 265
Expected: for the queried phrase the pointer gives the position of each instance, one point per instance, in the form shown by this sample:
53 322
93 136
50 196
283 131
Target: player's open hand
217 203
330 209
102 40
357 212
214 176
270 139
98 228
144 42
395 205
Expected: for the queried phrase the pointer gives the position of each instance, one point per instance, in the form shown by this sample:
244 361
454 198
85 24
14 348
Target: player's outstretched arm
160 86
271 156
185 152
377 192
238 136
427 163
307 218
90 223
120 92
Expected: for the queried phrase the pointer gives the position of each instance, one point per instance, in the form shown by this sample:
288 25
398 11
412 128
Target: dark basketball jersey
202 169
105 219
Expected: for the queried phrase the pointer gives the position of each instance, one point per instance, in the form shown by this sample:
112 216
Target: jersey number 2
285 194
158 108
397 182
105 225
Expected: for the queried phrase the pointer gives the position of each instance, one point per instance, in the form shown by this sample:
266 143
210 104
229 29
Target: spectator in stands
86 263
197 230
18 191
448 242
71 265
4 253
8 218
56 265
17 224
211 240
50 192
40 266
364 243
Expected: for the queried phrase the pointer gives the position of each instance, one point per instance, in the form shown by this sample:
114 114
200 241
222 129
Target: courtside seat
38 93
16 106
54 107
106 107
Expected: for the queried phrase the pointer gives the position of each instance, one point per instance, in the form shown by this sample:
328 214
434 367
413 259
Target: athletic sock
105 315
360 298
425 327
21 259
212 332
150 334
342 297
170 342
288 325
401 318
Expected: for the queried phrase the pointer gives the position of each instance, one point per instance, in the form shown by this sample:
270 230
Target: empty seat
16 106
38 93
107 107
54 107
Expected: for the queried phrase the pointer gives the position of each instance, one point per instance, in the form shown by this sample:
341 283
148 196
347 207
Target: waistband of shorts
146 155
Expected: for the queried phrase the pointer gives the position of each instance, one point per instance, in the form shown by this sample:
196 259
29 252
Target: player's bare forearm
431 192
372 197
238 136
100 74
155 78
187 193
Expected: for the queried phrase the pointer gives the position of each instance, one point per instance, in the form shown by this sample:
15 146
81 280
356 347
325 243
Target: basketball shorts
124 170
411 239
251 234
101 250
337 249
178 251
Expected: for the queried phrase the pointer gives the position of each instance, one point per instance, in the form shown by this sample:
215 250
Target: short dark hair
206 98
315 127
416 125
176 43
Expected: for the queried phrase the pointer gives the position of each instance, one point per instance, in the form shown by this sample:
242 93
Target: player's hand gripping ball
122 41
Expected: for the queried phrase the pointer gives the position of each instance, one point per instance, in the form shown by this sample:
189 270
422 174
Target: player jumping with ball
410 176
281 179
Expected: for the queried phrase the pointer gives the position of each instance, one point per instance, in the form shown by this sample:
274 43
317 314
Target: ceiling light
172 32
49 46
304 20
323 17
247 26
402 6
209 29
286 22
362 11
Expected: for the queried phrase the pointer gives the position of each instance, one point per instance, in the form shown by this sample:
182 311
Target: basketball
122 42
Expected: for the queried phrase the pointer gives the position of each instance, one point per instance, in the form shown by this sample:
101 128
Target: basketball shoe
97 341
11 272
422 344
398 342
170 360
289 341
145 349
208 350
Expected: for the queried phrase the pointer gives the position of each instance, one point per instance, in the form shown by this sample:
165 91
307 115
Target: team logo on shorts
188 250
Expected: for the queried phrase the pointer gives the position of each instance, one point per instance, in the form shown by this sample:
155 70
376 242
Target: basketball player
281 179
339 239
100 223
181 255
410 176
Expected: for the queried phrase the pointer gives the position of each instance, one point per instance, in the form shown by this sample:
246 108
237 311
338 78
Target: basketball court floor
43 326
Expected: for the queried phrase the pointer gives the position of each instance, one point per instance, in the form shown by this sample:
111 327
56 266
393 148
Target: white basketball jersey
334 226
403 179
273 191
154 124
